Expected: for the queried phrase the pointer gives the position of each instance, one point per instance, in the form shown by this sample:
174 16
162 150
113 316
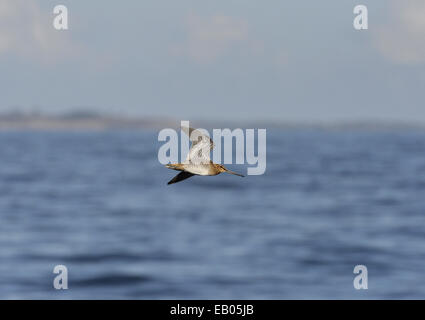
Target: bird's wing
201 146
180 177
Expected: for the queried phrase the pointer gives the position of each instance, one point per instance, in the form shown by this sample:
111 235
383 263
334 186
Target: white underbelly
202 170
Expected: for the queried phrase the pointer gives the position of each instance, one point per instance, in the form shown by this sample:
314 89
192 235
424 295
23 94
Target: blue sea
98 202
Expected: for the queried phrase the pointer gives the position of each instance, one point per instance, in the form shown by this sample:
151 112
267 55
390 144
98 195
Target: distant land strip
92 121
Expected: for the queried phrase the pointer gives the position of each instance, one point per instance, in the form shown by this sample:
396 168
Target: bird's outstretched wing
180 177
201 146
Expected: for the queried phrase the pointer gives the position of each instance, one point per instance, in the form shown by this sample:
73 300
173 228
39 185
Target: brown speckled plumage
203 166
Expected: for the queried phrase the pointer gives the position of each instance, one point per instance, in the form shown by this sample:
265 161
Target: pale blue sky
276 60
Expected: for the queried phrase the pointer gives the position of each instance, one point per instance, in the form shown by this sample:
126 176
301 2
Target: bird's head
221 168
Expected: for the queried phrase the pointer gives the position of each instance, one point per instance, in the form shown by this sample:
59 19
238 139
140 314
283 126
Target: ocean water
98 203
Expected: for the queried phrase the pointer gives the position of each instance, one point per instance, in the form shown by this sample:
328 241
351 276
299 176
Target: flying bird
198 160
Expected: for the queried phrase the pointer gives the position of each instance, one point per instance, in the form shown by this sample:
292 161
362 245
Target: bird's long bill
236 174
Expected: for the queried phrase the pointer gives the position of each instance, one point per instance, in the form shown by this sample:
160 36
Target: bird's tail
175 166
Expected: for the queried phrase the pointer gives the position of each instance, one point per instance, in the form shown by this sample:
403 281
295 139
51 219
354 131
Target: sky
286 61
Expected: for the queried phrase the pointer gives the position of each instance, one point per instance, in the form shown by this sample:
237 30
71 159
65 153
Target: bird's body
198 169
198 161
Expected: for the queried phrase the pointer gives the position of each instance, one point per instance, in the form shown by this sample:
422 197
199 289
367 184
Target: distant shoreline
89 121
